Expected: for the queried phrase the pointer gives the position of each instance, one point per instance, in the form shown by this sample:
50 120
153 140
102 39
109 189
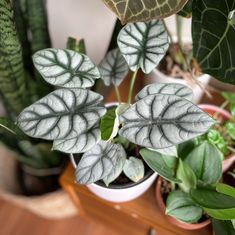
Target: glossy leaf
206 163
134 169
213 38
143 10
157 163
160 121
62 114
99 162
66 68
143 45
113 68
166 88
182 207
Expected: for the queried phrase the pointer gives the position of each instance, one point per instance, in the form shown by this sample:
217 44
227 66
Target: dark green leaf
185 148
223 227
187 10
76 45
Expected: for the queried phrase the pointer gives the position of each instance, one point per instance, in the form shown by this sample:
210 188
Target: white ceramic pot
158 77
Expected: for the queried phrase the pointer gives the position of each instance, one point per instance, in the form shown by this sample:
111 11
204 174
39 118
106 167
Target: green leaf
223 227
66 68
62 114
143 10
76 45
160 121
225 189
143 45
113 68
166 88
231 129
156 162
170 151
229 96
206 163
213 38
185 148
232 110
182 207
109 125
187 176
99 162
134 169
187 9
223 214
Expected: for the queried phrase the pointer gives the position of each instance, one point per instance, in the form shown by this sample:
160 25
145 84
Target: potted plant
107 139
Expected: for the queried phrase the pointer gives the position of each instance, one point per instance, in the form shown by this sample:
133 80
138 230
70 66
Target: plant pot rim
171 219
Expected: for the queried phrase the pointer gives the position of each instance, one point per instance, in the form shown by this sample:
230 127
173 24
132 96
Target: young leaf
166 88
143 45
160 121
65 68
206 163
134 169
61 114
187 176
113 68
99 162
182 207
78 143
143 10
156 162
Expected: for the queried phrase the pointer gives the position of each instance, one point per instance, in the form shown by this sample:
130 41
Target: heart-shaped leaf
66 68
100 161
166 88
62 114
143 10
78 143
159 121
182 207
213 38
143 45
113 68
134 169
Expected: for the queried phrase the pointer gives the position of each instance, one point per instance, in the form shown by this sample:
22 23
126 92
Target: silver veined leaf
134 169
100 161
159 121
143 45
166 88
61 114
66 68
78 143
113 68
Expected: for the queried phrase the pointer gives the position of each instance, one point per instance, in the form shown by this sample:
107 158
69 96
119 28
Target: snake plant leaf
213 38
61 114
113 68
134 169
160 121
66 68
143 10
78 143
99 162
143 45
166 88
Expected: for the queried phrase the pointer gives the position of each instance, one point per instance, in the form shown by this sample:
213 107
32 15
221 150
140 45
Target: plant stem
168 31
179 29
118 95
133 79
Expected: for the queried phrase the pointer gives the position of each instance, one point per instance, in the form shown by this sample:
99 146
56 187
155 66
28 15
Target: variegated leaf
66 68
99 162
113 68
160 121
143 45
166 88
143 10
61 114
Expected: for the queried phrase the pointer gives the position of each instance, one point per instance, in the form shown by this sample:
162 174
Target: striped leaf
66 68
160 121
166 88
61 114
99 162
143 10
143 45
113 68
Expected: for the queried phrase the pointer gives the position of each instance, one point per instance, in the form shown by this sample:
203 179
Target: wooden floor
17 221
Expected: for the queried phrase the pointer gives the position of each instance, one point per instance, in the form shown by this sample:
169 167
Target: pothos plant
75 119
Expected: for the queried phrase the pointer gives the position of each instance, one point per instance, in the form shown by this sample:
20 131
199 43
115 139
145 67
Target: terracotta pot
171 219
225 115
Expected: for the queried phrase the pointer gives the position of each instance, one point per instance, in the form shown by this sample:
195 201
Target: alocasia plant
77 122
